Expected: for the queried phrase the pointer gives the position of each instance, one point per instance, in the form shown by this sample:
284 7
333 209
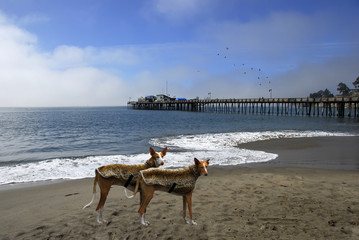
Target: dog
123 175
177 181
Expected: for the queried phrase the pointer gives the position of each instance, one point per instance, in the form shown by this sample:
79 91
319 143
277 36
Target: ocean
41 144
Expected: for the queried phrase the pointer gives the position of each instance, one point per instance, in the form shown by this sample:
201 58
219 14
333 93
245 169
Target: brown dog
123 175
177 181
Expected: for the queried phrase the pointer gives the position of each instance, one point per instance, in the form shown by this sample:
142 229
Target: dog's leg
143 218
100 218
105 188
141 198
144 221
189 201
99 212
142 211
147 194
184 209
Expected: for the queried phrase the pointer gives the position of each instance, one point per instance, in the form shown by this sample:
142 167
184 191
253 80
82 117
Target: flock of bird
247 73
251 72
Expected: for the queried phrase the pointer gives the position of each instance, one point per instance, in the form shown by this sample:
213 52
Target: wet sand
337 153
266 201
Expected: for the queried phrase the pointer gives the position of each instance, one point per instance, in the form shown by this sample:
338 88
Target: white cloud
12 34
74 76
68 56
59 78
293 48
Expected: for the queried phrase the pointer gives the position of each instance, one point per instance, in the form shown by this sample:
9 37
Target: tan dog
123 175
177 181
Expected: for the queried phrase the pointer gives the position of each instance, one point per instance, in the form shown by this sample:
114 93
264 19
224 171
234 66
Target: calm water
57 143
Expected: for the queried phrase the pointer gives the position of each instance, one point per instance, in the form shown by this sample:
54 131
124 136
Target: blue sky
102 53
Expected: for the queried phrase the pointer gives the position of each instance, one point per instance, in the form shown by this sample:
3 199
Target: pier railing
331 107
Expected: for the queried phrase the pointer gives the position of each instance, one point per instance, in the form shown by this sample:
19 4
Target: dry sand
230 203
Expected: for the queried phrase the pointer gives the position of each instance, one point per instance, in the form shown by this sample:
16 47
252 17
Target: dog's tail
94 190
137 184
128 195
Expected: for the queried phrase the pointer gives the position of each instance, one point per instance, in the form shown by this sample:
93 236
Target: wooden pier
329 107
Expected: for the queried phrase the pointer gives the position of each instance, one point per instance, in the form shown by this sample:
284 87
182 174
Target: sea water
39 144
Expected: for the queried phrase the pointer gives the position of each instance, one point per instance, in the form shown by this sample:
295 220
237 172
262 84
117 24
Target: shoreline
311 148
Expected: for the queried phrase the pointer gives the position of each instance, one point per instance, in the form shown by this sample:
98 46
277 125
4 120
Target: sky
104 53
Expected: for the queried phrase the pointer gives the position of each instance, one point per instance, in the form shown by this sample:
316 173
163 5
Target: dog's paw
145 223
190 222
102 221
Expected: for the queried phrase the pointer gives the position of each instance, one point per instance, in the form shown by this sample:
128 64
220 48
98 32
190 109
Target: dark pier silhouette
329 107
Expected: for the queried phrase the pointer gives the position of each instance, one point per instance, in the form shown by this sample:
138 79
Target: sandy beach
292 197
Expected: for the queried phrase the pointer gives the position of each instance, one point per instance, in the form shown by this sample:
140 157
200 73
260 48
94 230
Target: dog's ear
196 161
164 151
207 162
152 152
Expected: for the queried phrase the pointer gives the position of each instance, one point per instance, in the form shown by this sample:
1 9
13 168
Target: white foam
63 168
230 140
220 148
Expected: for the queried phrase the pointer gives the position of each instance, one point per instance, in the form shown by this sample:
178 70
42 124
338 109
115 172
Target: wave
221 148
233 139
